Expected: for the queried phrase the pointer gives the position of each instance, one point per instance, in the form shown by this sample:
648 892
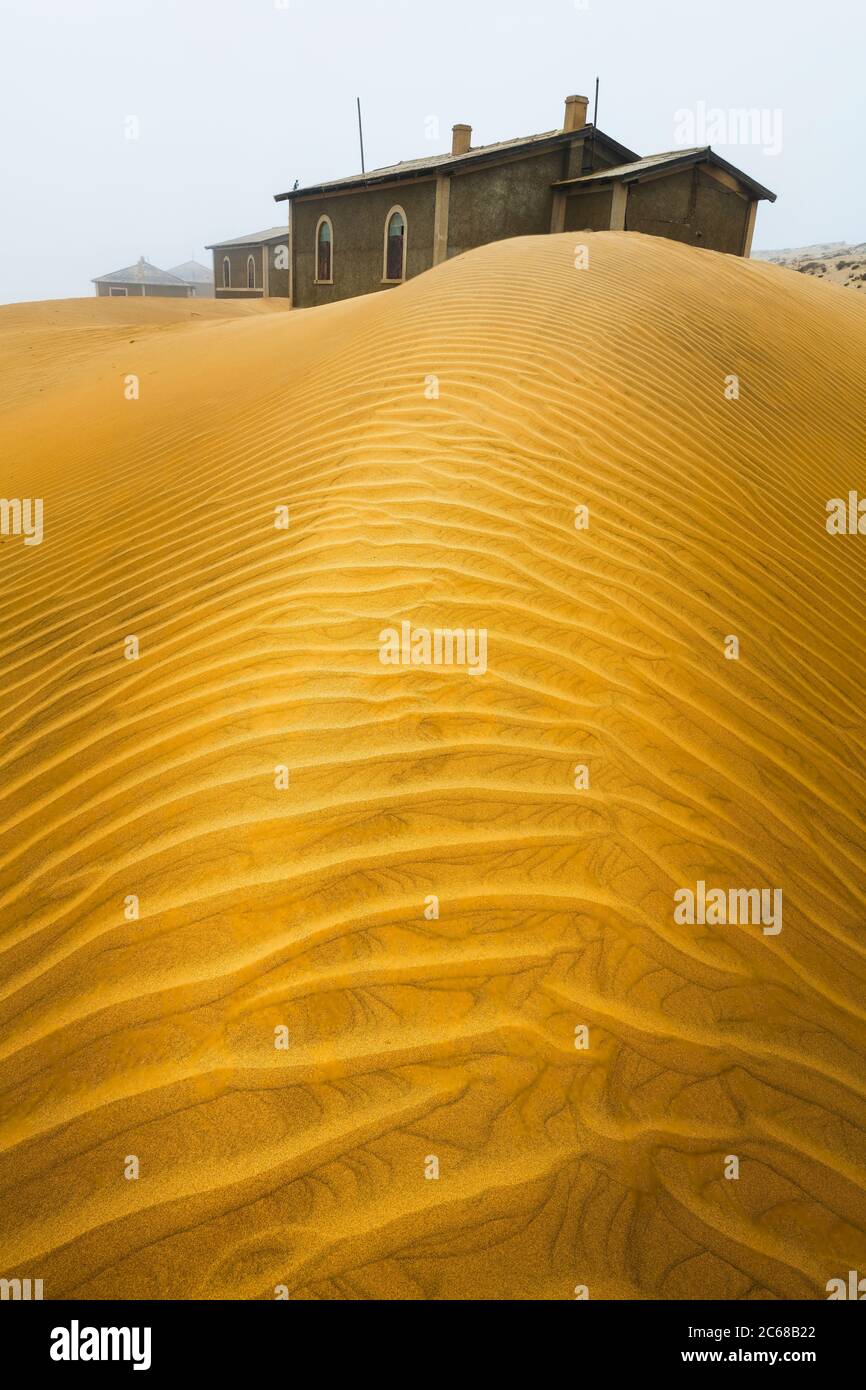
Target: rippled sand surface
432 445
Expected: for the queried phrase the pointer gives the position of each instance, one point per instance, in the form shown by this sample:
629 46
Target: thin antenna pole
361 137
594 128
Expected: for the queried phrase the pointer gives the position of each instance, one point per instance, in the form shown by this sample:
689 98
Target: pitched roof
254 238
409 168
672 159
142 273
193 273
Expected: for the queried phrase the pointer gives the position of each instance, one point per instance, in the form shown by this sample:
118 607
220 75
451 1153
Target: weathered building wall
588 212
237 259
502 200
278 280
358 247
662 202
690 206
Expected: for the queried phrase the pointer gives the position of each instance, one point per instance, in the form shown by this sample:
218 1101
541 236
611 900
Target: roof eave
761 193
705 156
356 185
240 245
629 156
473 160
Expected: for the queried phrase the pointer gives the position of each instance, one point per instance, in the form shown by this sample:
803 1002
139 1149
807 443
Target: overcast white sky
235 99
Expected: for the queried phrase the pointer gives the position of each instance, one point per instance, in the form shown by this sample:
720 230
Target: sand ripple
305 908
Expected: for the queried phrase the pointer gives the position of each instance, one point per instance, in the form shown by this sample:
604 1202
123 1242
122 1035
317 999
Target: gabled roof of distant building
656 163
193 273
142 273
484 154
254 238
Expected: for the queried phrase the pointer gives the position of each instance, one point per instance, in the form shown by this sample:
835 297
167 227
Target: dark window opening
396 246
323 259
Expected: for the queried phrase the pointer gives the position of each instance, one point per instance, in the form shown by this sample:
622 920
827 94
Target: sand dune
432 445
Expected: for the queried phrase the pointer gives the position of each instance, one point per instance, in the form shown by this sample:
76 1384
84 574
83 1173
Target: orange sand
304 907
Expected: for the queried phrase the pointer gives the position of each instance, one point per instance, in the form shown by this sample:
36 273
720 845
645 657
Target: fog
152 127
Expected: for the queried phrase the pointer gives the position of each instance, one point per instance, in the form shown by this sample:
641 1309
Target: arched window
395 245
251 273
324 252
227 274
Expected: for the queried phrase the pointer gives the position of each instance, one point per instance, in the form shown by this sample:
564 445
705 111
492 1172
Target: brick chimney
461 139
575 112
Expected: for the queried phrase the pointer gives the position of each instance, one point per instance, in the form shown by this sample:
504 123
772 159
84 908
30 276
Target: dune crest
374 968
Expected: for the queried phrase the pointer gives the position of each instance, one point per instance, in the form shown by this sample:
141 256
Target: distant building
252 267
369 232
142 279
198 277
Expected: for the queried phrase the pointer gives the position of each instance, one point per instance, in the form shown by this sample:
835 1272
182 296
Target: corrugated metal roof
446 161
193 273
254 238
142 273
671 159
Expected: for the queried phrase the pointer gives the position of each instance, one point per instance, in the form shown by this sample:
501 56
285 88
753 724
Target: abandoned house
368 232
198 277
252 267
142 279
